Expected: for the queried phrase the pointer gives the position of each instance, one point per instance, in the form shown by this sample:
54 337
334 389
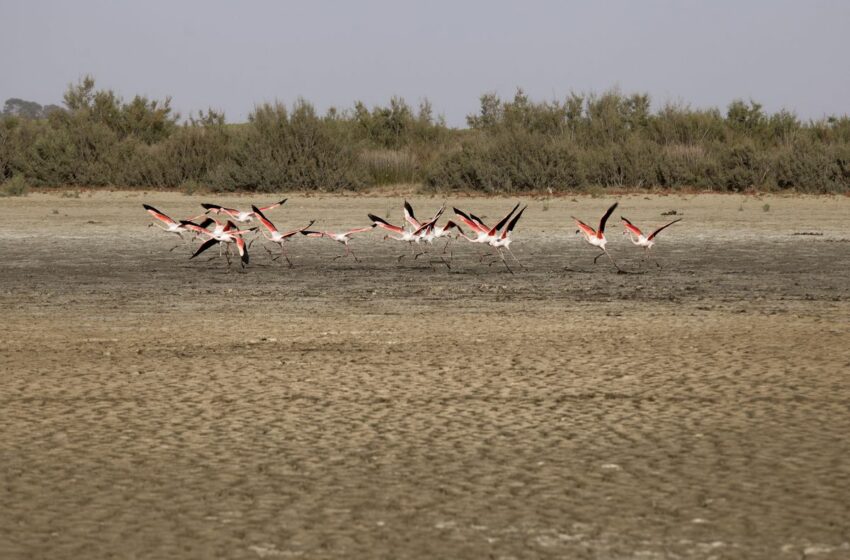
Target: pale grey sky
231 55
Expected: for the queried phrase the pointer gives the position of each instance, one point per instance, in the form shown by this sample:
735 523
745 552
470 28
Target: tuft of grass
16 186
547 198
390 167
765 208
70 194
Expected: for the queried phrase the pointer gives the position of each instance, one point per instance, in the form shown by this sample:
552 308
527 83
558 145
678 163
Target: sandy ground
153 407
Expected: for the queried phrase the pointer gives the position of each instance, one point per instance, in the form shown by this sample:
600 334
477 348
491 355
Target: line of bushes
585 141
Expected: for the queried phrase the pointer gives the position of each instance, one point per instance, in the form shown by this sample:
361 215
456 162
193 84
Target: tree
15 107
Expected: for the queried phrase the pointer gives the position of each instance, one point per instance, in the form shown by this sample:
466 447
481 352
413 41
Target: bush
284 150
16 186
509 162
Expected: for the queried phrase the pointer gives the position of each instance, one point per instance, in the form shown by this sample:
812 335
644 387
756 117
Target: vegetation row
582 142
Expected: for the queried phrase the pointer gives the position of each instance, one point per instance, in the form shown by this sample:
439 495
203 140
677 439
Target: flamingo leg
219 254
283 252
516 260
484 256
415 254
505 261
612 261
183 239
347 252
658 264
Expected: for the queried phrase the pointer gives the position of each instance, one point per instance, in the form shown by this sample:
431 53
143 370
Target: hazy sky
231 55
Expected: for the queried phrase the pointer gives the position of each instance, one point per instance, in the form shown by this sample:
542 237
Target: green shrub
284 150
509 162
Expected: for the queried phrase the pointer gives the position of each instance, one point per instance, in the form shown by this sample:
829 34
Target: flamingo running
410 236
504 240
343 238
170 225
276 236
429 231
434 232
484 233
596 237
637 237
227 235
240 216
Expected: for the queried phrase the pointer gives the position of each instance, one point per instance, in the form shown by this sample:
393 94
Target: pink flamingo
596 237
170 225
227 235
637 237
240 216
343 238
503 241
276 236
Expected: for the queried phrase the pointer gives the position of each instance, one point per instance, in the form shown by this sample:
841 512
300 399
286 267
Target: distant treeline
607 140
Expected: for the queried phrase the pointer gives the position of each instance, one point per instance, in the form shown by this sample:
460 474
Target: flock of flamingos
497 238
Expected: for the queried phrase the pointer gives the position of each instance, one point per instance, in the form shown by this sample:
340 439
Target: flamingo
504 240
171 225
429 231
403 234
484 234
238 215
424 232
343 238
201 229
228 234
435 232
276 236
596 237
637 237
